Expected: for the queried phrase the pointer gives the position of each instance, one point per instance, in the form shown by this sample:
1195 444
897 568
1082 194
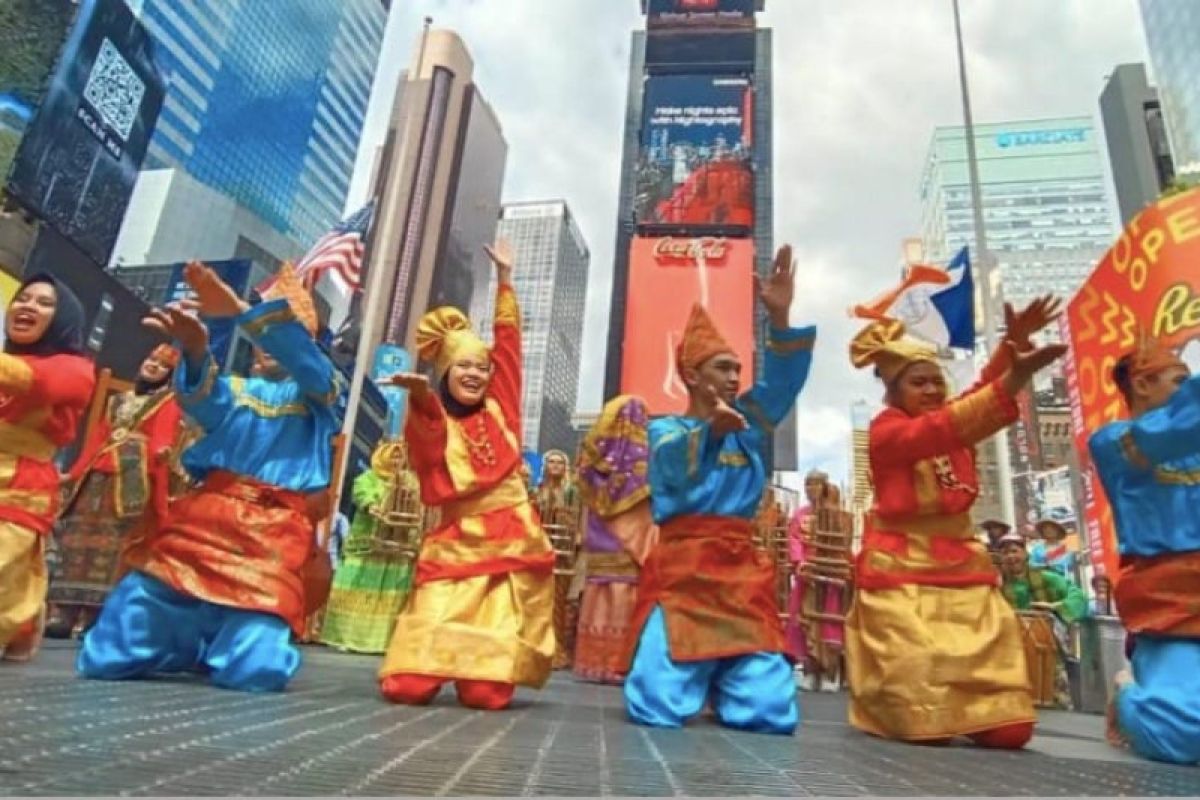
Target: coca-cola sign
689 251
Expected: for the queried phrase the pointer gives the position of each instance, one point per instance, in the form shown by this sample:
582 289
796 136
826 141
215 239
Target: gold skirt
927 662
484 627
22 582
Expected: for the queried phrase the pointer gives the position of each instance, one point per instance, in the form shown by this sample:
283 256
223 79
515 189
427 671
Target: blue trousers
146 627
1160 711
755 692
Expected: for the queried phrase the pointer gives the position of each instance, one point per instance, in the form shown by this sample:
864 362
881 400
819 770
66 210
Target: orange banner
666 276
1148 278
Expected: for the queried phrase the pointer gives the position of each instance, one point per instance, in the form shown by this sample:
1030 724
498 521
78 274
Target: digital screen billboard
670 13
694 166
666 277
33 34
1148 278
79 159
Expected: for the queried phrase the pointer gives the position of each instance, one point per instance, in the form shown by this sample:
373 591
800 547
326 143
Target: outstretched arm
506 343
1165 434
274 327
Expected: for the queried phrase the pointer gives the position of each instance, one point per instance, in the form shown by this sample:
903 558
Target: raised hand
723 419
501 255
1025 364
416 384
1020 326
778 289
182 326
214 297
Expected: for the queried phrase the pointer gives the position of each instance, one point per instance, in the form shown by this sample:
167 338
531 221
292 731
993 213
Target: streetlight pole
986 265
375 296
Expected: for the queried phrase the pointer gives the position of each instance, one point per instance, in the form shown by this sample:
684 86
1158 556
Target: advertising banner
705 13
697 141
221 332
79 159
390 360
666 276
1148 278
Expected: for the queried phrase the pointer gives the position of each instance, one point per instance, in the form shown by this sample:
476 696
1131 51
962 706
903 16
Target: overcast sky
859 87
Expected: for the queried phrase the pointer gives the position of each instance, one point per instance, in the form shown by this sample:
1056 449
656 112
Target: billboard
34 31
79 158
706 13
1148 278
221 332
666 276
694 165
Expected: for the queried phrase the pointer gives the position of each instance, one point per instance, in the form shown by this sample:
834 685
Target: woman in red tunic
481 609
45 385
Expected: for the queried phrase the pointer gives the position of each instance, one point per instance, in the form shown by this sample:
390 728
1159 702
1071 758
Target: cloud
859 87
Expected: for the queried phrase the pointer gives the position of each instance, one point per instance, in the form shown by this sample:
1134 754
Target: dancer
220 587
707 617
820 494
557 503
481 611
1148 465
618 535
45 385
122 481
933 650
370 586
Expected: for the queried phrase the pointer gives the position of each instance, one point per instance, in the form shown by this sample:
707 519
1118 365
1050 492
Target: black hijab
65 332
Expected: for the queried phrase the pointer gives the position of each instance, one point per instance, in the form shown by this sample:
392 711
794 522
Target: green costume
369 589
1046 586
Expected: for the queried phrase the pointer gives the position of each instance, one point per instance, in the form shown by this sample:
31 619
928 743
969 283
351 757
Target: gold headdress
288 286
444 336
701 340
382 458
884 345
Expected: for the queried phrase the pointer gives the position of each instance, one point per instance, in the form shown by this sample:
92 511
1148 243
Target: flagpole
986 266
375 298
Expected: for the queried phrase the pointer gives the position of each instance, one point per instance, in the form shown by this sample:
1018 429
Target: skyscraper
1138 151
1048 219
439 181
551 282
1047 214
1173 36
694 215
267 101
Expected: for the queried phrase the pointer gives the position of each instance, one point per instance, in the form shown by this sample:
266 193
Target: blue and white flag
941 313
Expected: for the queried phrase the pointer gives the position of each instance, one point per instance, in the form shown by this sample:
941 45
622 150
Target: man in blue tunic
707 620
1150 468
221 586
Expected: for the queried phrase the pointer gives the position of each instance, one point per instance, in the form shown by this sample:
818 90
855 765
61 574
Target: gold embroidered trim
508 312
1177 477
207 381
752 408
19 440
732 460
256 326
261 407
693 465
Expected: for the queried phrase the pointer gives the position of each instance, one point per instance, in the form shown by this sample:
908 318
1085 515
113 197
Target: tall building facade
1138 151
695 208
439 180
551 279
267 101
1173 39
1049 221
1047 214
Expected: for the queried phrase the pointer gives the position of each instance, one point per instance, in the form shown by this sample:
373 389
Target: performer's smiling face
722 373
919 389
30 313
265 366
468 380
1013 559
153 370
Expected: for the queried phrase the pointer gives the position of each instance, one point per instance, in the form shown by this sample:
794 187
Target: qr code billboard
114 90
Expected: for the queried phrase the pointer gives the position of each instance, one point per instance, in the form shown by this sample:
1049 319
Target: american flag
341 249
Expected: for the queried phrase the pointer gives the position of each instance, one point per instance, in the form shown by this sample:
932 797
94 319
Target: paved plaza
331 734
